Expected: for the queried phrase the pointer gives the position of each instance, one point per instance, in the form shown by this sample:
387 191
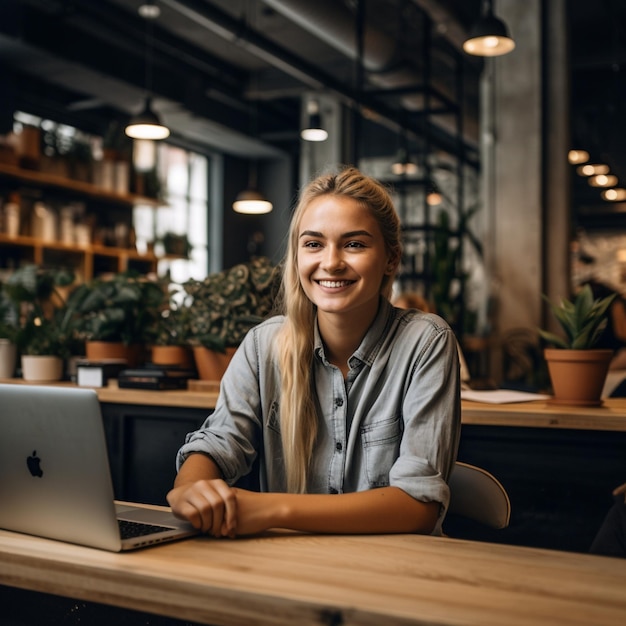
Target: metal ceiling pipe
329 21
333 23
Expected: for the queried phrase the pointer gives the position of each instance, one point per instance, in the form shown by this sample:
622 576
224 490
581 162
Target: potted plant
117 316
171 342
577 369
45 335
224 307
8 334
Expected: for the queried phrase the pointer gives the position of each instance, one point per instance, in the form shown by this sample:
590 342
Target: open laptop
55 480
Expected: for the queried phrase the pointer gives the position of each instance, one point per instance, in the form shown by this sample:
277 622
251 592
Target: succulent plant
583 320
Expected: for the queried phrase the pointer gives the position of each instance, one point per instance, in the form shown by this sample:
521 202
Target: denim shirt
395 420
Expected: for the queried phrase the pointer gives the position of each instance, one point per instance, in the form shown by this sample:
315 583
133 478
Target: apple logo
33 463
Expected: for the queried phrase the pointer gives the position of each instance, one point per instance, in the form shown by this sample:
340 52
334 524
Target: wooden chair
478 495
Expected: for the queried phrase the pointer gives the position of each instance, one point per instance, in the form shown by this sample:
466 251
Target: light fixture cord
149 44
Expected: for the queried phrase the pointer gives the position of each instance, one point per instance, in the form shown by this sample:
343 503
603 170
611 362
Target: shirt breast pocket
381 447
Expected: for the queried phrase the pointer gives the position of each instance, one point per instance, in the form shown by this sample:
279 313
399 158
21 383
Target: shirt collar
370 345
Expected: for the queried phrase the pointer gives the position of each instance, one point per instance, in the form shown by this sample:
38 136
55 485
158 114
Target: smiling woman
351 406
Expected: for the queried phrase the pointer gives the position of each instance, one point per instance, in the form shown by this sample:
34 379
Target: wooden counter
610 415
182 398
286 579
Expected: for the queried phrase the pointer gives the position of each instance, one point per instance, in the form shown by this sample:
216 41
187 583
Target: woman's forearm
197 467
384 510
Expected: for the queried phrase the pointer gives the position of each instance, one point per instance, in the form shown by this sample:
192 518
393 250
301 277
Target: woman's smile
334 284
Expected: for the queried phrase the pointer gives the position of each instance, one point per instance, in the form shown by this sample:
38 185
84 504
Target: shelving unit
429 263
87 260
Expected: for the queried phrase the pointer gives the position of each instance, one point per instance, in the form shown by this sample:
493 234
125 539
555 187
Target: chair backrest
478 495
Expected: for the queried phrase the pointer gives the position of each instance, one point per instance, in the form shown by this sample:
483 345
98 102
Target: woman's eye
355 244
312 244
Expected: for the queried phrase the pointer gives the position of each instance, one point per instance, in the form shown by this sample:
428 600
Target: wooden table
609 416
287 578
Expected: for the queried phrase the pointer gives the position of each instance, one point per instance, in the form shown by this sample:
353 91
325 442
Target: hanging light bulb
149 10
403 165
603 180
313 130
592 169
251 201
489 37
616 194
147 125
433 195
577 156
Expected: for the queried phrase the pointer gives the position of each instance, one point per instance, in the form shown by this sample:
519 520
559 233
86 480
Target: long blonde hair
298 411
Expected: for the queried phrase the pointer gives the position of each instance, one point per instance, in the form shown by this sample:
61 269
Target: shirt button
338 446
338 401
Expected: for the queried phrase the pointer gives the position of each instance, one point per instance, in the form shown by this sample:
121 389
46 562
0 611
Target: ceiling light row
598 175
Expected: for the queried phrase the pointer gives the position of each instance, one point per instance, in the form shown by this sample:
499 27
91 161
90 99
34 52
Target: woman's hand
209 505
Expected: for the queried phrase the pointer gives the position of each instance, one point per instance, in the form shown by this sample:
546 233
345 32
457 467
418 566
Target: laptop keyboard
129 530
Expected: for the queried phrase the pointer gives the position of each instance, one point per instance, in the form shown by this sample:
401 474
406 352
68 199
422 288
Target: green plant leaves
225 305
583 320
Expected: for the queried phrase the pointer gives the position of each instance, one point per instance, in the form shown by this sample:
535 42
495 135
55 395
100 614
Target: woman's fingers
209 505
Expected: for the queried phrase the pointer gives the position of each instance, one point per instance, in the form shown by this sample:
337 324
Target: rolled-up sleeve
231 434
431 412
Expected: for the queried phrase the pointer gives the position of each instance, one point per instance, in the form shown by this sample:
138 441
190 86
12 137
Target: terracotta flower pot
133 354
211 365
179 356
577 376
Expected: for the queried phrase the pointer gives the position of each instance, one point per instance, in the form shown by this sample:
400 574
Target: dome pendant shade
251 202
489 37
147 125
314 130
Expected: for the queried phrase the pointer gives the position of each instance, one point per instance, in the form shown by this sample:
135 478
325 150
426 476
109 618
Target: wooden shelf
43 179
86 260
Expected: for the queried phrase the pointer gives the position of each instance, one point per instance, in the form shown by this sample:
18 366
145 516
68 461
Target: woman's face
342 258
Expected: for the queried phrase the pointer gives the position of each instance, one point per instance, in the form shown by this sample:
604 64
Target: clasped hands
217 509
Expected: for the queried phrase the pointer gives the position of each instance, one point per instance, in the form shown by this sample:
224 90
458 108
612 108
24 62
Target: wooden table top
610 415
288 578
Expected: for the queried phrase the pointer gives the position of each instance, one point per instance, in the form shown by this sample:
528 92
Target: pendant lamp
251 201
433 195
147 125
489 37
403 165
313 130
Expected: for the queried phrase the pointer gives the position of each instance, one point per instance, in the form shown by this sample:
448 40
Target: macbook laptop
55 480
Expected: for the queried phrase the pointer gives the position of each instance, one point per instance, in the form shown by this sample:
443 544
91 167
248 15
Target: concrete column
524 143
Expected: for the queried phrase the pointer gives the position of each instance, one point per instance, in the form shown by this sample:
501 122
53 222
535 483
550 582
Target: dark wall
246 236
